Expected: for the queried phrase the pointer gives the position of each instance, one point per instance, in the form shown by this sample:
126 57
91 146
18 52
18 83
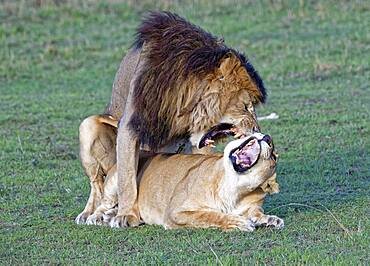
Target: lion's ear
242 73
228 63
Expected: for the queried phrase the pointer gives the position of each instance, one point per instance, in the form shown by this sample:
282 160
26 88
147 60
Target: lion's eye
249 108
221 78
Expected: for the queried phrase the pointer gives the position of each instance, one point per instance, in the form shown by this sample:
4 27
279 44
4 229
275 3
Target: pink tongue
250 152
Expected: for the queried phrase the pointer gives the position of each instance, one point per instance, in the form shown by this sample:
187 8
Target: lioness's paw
276 222
271 221
241 223
247 226
118 221
95 219
82 217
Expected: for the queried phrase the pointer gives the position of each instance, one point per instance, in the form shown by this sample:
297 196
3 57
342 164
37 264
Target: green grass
57 64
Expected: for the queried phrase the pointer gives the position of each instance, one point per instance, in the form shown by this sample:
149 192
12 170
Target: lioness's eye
274 156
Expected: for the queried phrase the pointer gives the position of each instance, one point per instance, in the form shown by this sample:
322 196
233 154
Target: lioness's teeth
251 142
245 165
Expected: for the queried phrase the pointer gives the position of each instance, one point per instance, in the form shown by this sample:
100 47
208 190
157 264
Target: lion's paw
95 219
109 215
118 221
82 217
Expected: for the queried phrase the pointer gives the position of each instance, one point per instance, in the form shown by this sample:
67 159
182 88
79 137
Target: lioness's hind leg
109 200
98 155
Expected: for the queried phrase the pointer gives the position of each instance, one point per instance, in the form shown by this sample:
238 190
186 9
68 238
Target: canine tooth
209 141
238 135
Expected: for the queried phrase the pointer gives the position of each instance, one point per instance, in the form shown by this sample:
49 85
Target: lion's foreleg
127 163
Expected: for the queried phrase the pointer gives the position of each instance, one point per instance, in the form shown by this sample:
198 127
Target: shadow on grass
321 182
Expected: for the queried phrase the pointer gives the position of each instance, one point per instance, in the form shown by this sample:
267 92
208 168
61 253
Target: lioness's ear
270 185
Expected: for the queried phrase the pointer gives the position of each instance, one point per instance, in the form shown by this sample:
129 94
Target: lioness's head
250 160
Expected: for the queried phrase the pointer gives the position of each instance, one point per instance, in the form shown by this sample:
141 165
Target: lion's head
190 81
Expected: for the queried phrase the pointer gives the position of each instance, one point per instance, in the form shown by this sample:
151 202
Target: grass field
57 64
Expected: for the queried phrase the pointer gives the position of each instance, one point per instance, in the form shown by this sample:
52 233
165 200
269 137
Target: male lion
176 82
220 190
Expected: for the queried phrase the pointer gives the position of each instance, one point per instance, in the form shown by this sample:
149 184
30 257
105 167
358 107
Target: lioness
176 82
220 190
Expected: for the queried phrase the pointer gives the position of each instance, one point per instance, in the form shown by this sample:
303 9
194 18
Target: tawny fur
97 154
177 80
199 192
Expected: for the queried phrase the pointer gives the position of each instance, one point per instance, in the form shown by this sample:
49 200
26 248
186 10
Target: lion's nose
255 130
267 139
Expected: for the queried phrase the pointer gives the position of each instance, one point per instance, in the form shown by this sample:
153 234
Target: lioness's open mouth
246 155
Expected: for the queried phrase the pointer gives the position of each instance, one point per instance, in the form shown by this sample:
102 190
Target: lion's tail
108 119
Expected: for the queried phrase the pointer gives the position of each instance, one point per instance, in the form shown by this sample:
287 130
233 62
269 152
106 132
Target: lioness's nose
267 139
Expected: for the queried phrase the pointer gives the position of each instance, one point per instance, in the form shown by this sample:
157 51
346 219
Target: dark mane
254 75
175 49
165 25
